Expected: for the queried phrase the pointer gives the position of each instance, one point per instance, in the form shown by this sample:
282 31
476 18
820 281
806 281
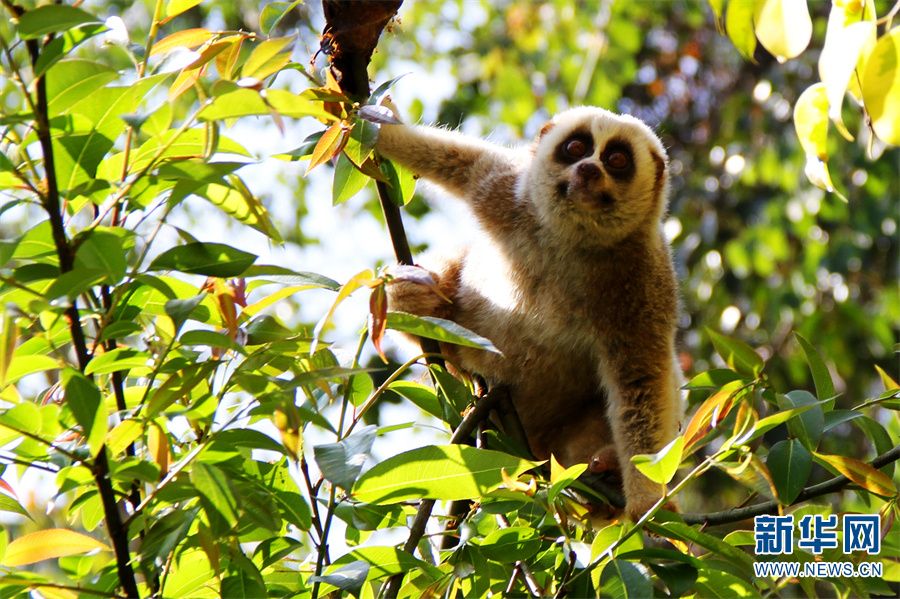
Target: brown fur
572 281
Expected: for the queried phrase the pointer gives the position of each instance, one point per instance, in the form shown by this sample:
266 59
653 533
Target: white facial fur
595 203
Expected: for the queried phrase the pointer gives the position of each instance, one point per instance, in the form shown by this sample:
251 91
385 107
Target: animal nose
588 171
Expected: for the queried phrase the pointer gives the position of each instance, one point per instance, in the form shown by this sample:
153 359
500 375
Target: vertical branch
53 206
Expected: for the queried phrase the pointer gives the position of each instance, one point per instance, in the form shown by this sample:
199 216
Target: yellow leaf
881 87
47 544
327 146
188 38
158 445
840 55
267 58
739 25
783 27
841 16
123 435
861 473
176 7
889 383
358 280
811 123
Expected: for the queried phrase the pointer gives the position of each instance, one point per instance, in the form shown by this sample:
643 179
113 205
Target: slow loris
572 281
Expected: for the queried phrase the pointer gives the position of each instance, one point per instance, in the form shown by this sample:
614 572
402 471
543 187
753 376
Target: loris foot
605 460
416 290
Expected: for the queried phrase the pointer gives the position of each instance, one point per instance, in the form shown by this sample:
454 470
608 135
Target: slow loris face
597 176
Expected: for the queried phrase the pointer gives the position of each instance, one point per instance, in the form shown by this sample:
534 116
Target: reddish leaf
860 473
378 321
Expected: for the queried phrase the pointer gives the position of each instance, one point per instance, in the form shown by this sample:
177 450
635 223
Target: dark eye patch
576 146
618 159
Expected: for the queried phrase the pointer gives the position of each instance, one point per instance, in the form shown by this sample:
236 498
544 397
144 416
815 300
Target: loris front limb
481 173
644 412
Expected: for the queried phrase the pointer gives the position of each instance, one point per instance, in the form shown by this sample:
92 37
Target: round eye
618 161
576 148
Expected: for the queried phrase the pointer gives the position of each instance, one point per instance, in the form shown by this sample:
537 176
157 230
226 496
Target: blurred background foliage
761 252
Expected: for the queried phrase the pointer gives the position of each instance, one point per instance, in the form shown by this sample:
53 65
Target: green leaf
61 47
242 584
9 334
507 545
439 329
279 274
179 310
348 578
421 395
220 503
401 182
623 580
272 14
50 18
235 103
119 359
102 249
210 259
341 463
267 57
820 374
737 354
790 463
879 437
83 398
348 180
211 339
9 504
385 561
661 466
713 379
881 87
72 80
361 142
22 417
444 472
722 550
739 26
809 425
28 364
716 584
233 198
766 424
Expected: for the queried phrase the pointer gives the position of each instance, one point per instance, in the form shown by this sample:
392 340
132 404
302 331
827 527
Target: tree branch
53 206
768 507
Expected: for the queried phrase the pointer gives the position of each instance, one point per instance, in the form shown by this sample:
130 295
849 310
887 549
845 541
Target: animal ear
661 167
547 126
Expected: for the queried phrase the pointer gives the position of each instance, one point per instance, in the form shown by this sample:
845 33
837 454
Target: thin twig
768 507
469 422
